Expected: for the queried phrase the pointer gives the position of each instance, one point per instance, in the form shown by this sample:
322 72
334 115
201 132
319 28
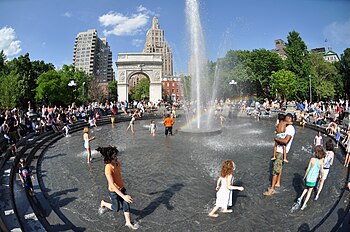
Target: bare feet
285 160
214 215
227 211
269 192
278 185
132 227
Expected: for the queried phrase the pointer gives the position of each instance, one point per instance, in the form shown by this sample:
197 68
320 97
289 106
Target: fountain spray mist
198 59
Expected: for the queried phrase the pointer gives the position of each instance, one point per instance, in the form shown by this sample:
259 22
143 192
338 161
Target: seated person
332 128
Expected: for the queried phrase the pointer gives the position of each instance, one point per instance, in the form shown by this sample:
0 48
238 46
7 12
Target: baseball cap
21 160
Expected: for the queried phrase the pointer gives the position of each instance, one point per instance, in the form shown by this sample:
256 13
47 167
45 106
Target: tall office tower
155 43
93 55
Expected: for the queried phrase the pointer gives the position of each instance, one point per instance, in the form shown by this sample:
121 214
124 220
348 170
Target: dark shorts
28 185
277 164
13 137
169 130
118 201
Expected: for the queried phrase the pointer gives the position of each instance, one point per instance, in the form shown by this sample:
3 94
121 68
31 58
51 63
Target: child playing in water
224 189
280 133
222 120
318 139
312 173
87 140
152 128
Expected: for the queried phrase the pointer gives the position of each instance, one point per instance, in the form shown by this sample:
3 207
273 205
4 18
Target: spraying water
198 60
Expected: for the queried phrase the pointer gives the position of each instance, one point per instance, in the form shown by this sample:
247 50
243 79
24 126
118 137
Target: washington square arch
146 64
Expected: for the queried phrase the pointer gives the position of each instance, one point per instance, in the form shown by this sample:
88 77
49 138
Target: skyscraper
155 43
93 55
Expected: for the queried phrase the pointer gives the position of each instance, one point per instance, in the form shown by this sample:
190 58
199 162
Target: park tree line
37 82
264 74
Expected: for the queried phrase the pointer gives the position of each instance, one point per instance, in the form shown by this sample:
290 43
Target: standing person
24 174
152 128
87 140
327 163
117 191
314 169
337 136
318 139
347 158
224 189
132 122
12 132
168 123
278 163
222 120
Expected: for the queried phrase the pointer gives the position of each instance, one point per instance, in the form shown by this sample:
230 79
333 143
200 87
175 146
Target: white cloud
141 8
338 32
8 41
120 24
137 42
67 14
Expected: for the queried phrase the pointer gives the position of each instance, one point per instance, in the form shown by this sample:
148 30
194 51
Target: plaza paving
172 180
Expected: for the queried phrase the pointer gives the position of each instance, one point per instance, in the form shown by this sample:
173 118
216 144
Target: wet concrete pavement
172 179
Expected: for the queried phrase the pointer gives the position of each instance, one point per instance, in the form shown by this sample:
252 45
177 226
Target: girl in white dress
224 189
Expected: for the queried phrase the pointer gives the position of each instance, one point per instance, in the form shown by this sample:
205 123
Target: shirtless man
278 163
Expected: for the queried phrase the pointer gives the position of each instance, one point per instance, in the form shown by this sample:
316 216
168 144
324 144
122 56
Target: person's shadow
298 184
304 228
164 198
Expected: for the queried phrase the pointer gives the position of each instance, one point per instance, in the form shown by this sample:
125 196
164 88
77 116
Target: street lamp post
72 84
83 92
310 88
233 82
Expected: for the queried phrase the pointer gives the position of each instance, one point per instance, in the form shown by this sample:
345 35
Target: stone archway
150 65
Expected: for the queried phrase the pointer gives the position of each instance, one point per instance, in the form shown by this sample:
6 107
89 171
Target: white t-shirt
318 140
289 131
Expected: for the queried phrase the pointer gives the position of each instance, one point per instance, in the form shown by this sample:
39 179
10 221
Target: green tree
141 91
83 81
234 66
51 89
186 87
8 90
2 62
298 62
284 84
262 63
26 84
112 89
323 75
344 68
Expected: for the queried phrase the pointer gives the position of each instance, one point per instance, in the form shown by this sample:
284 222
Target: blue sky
46 29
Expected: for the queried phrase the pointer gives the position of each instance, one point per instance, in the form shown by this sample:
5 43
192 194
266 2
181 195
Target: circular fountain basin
167 176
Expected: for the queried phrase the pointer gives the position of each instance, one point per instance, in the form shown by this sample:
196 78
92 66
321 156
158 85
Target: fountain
201 121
